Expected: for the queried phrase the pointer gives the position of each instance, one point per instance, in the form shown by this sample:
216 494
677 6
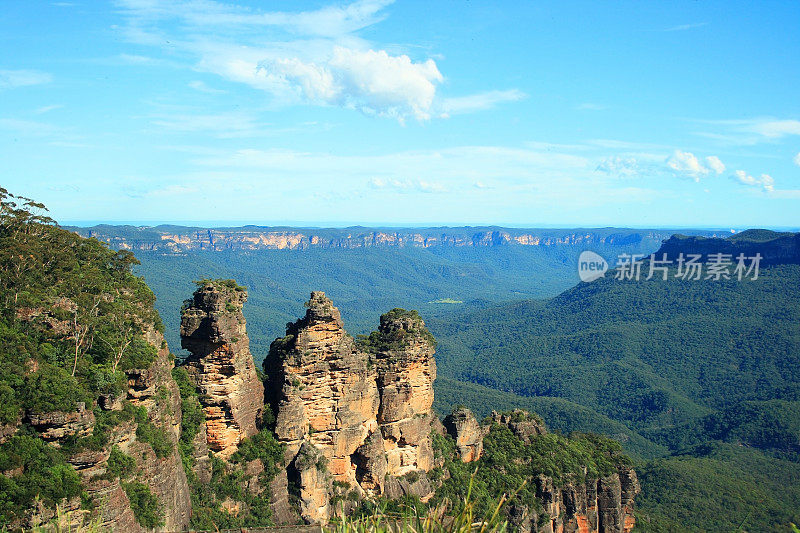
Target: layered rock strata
352 415
213 330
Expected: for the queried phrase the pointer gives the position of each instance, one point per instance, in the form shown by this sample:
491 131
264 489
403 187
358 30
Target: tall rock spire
213 330
364 408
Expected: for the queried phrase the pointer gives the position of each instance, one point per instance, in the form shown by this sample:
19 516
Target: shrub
147 432
45 474
145 505
120 465
51 389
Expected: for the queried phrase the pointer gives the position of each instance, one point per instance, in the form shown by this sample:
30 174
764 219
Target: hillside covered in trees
698 378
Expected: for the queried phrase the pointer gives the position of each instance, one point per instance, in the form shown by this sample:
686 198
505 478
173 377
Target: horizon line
330 225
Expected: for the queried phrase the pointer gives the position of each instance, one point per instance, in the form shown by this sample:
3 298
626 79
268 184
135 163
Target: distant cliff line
180 239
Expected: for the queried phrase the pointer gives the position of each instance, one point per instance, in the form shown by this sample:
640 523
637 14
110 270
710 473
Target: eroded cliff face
602 505
153 390
406 371
352 414
596 505
183 239
213 330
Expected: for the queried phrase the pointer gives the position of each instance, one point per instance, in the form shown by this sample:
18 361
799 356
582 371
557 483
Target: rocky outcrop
326 393
462 425
364 410
522 423
232 396
596 505
56 425
158 394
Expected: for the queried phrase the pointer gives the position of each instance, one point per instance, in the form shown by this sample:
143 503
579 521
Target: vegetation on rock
74 321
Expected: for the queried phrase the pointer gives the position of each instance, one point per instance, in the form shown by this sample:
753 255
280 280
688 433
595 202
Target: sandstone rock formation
57 425
603 505
364 411
406 370
213 330
522 423
462 425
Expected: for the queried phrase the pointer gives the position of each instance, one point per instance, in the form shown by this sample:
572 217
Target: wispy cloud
623 167
797 159
407 185
421 170
684 27
480 101
588 106
741 132
198 85
221 125
10 79
29 128
46 109
776 128
331 21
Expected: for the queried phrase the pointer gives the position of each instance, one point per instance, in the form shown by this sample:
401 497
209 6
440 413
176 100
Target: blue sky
645 114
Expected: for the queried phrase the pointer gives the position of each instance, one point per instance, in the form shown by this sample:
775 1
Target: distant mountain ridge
775 247
181 239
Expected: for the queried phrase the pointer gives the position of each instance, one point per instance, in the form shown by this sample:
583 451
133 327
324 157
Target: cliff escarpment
774 248
179 239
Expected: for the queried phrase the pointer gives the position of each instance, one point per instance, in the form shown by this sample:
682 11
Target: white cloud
312 57
371 81
480 101
766 182
389 85
687 164
10 79
797 159
715 164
